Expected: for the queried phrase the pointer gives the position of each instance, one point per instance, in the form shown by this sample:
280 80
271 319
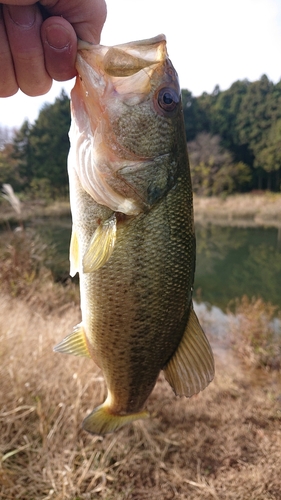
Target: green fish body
133 240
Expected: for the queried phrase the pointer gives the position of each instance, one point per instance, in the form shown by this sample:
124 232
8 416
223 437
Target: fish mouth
124 59
119 69
121 73
110 81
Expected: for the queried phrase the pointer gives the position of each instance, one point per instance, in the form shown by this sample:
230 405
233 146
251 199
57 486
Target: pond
231 261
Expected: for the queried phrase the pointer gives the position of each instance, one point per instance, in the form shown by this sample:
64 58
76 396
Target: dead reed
254 336
23 273
222 444
251 209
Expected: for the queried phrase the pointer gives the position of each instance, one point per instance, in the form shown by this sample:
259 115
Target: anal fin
191 368
75 343
101 246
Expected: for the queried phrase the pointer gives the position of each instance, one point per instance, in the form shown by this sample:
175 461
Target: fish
133 239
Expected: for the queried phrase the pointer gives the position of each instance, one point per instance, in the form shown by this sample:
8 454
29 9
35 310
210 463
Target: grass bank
242 210
248 210
33 208
223 444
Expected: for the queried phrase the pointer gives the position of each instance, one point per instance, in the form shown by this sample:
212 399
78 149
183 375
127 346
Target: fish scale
133 240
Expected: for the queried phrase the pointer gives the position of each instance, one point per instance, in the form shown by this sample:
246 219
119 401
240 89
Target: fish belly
135 308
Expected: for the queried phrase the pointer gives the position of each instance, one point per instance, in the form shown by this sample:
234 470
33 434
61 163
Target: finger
60 46
23 32
86 16
8 82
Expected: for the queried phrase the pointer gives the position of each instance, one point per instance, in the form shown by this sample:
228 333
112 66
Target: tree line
246 121
233 137
35 160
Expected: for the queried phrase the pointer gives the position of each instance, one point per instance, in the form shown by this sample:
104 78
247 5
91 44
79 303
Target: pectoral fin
191 368
74 253
101 246
75 343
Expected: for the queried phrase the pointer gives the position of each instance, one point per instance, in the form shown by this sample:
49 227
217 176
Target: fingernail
23 16
57 36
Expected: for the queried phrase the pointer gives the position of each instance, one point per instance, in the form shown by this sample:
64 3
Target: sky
210 42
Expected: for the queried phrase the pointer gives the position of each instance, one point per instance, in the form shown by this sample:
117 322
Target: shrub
254 334
24 272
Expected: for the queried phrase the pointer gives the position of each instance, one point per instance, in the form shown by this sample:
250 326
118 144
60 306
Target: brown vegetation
254 209
33 208
257 209
23 273
253 333
222 444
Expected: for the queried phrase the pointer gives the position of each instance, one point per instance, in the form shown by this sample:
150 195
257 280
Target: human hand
34 50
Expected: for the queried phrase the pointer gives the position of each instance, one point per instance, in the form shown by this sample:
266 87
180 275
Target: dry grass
223 444
31 208
251 209
23 273
254 336
247 210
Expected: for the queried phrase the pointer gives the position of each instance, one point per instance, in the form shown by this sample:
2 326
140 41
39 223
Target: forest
233 138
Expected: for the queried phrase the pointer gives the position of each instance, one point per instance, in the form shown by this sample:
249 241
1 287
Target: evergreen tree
241 124
49 144
246 117
21 154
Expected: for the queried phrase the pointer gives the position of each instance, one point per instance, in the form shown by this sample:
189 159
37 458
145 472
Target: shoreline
31 210
239 210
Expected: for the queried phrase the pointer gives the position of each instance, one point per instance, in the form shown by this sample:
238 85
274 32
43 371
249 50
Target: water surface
231 262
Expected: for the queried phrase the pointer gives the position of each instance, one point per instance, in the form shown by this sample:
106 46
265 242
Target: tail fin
102 421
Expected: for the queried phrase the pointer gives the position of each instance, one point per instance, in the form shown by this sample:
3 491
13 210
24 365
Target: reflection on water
231 261
279 237
217 322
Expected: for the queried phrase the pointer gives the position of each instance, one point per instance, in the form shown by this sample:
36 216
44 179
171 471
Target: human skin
38 42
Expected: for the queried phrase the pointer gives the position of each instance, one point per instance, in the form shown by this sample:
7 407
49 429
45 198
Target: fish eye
168 99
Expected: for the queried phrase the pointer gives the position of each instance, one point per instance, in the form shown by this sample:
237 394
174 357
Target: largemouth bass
133 241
